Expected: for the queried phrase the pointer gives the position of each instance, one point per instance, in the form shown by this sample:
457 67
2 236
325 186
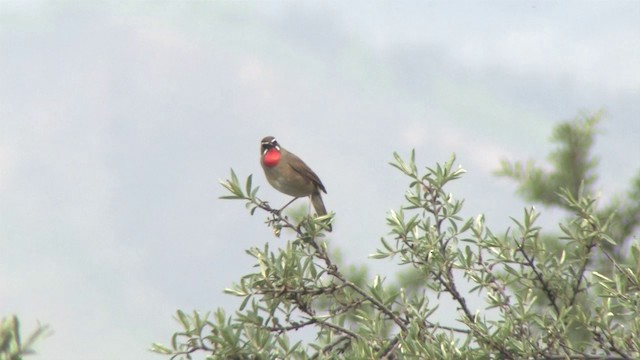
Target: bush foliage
12 347
523 293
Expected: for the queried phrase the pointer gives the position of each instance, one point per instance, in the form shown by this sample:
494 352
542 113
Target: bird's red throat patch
272 158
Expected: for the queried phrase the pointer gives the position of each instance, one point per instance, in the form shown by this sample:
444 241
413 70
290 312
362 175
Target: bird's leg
289 203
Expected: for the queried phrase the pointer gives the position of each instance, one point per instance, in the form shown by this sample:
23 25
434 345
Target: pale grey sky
118 120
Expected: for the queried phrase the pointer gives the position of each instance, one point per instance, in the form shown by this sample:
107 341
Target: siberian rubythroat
290 175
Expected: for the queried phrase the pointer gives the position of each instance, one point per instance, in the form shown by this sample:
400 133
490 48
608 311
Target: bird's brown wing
303 169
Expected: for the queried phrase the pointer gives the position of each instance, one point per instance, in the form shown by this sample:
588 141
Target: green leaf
379 255
161 349
248 186
234 178
600 276
244 303
184 320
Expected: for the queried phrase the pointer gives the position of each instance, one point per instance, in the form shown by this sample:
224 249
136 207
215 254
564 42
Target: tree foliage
573 172
573 166
520 294
11 345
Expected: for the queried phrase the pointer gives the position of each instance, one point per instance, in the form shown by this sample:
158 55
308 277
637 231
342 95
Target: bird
290 175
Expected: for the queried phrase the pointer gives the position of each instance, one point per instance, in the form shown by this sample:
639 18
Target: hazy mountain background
118 119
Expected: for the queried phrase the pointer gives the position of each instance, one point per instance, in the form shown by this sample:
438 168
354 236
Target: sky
118 120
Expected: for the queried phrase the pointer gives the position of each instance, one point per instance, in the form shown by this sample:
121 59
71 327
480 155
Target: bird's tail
318 204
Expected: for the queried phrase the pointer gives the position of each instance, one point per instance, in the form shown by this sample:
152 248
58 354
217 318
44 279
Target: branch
315 319
450 287
332 269
617 266
448 328
329 347
199 347
545 286
392 345
583 269
583 357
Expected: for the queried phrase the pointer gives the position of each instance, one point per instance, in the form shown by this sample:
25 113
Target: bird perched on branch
288 174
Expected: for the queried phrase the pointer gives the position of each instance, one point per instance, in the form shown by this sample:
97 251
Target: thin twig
545 286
